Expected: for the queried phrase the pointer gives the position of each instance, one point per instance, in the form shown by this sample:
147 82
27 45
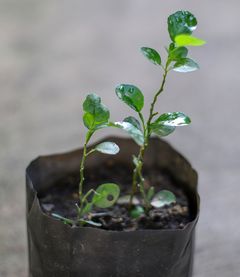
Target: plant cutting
134 214
180 28
96 117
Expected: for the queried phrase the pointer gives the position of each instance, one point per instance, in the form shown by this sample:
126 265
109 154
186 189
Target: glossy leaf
162 130
178 53
95 112
132 120
185 65
188 40
152 55
131 95
107 147
106 195
137 211
181 22
91 102
135 133
173 119
162 198
88 120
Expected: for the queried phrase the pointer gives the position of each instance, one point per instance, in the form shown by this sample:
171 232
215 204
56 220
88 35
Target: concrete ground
52 53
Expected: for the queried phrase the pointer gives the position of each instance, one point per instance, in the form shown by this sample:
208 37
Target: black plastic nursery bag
59 250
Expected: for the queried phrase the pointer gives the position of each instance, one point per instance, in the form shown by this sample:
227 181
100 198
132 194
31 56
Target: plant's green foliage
88 120
106 195
150 193
173 119
180 26
181 22
135 133
131 95
162 130
107 147
185 65
96 116
132 120
137 211
178 53
171 47
162 198
152 55
188 40
96 113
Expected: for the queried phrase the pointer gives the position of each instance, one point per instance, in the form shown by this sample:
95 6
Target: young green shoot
96 116
180 27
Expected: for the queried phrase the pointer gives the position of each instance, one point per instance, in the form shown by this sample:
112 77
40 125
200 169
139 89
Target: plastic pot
56 249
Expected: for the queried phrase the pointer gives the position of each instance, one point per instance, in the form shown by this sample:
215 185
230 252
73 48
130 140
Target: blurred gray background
52 53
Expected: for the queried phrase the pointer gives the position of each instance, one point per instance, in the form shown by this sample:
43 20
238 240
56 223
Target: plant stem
82 165
155 100
137 172
84 199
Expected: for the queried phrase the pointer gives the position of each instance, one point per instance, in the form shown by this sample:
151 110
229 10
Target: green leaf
88 120
135 133
132 120
162 198
95 112
188 40
178 53
171 47
162 130
181 22
106 195
150 193
185 65
173 119
110 148
131 95
152 55
137 211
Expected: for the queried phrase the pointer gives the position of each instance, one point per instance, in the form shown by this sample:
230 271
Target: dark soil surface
61 199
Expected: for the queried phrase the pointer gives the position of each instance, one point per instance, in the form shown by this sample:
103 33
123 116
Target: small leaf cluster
180 27
96 114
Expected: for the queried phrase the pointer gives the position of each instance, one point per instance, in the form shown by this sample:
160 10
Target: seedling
96 117
180 27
